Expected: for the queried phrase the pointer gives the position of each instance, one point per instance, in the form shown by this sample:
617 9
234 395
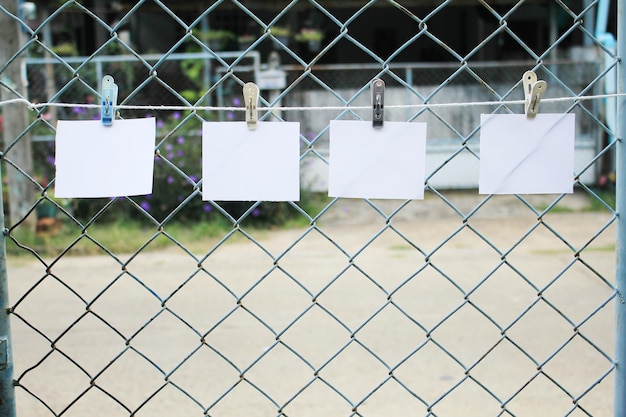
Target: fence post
7 389
620 167
15 116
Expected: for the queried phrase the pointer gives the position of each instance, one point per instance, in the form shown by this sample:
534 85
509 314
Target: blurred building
418 28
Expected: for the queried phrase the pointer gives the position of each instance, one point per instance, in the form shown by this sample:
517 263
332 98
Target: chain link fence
456 305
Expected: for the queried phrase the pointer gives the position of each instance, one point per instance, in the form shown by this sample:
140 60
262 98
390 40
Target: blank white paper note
240 164
519 155
97 161
386 162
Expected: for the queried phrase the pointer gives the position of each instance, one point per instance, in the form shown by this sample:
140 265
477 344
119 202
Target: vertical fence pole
620 167
16 118
7 390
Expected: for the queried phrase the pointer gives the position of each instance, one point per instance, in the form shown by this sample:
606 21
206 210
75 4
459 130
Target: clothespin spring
378 101
533 91
251 99
109 100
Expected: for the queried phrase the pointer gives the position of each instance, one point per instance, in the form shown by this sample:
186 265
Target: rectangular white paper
385 163
240 164
519 155
93 160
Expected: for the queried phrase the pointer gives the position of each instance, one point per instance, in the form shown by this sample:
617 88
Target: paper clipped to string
241 164
95 161
386 162
521 155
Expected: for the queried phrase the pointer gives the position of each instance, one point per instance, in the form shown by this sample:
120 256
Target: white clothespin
378 102
251 99
533 91
109 100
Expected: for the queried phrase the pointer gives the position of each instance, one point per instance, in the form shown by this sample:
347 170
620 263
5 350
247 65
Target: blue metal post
7 390
620 166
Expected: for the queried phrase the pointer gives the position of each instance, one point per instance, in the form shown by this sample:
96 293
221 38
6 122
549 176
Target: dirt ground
471 307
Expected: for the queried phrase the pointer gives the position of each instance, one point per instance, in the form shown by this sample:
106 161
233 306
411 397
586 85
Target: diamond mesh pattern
456 305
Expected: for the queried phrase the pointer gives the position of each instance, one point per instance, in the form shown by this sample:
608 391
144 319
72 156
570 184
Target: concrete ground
499 314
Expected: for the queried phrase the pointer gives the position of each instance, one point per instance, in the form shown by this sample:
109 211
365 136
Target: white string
37 106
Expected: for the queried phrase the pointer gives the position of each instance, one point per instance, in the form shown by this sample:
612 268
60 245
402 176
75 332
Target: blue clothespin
109 100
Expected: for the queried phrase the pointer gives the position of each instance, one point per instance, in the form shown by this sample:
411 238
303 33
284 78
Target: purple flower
145 205
180 140
180 154
78 110
170 155
237 102
160 124
170 179
256 212
230 115
207 208
176 115
193 178
50 160
169 147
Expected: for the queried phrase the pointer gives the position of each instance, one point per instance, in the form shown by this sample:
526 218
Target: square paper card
239 164
526 156
93 160
368 162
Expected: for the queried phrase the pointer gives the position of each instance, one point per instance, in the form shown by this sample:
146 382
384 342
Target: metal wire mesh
457 305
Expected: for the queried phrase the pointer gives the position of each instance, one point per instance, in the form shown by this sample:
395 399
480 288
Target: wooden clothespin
251 99
109 100
378 102
533 91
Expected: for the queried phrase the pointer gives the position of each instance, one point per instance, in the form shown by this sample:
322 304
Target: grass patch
311 203
123 236
401 247
127 235
605 248
608 197
594 204
558 209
